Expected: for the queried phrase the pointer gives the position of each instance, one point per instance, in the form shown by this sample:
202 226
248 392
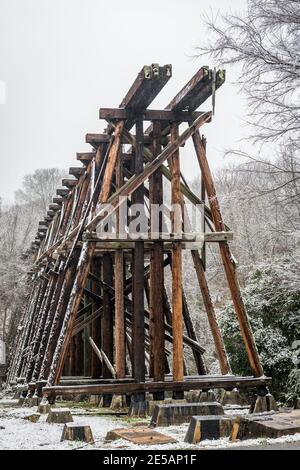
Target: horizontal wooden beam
211 237
97 139
149 82
58 200
85 157
62 192
148 115
69 183
204 383
54 207
76 171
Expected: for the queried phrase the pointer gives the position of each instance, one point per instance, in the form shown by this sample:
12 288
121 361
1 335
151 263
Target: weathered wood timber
205 383
99 312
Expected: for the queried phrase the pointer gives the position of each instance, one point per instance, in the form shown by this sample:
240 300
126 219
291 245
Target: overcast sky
61 60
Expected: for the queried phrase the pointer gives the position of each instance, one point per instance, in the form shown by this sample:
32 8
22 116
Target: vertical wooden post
228 263
177 319
107 323
211 315
157 327
78 355
120 341
138 321
96 325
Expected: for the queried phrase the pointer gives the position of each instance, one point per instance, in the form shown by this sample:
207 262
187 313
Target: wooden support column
211 314
107 323
120 333
96 325
227 259
157 326
177 319
138 321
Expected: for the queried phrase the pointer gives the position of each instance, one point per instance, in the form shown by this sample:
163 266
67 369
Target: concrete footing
141 436
118 402
151 404
138 409
59 416
232 397
44 408
266 425
75 432
167 415
208 396
263 404
208 427
33 418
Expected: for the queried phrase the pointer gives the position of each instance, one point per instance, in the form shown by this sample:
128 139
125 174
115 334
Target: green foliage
272 299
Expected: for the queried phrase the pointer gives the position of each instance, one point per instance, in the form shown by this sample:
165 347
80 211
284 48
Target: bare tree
39 187
18 225
264 42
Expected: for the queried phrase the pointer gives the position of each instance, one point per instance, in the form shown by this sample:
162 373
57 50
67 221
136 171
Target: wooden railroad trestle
98 307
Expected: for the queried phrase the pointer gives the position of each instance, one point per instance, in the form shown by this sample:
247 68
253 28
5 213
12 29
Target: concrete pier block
44 408
167 415
151 404
141 436
232 397
264 403
208 396
118 402
208 427
266 425
59 416
138 409
76 432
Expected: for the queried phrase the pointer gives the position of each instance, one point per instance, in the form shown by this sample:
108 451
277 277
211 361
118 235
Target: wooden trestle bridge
99 320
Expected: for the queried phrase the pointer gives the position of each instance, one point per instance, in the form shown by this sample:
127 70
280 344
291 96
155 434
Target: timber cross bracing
99 319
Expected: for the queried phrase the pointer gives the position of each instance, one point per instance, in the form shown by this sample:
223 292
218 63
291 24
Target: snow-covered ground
18 433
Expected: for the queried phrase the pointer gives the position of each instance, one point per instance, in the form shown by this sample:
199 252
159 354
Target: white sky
61 60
